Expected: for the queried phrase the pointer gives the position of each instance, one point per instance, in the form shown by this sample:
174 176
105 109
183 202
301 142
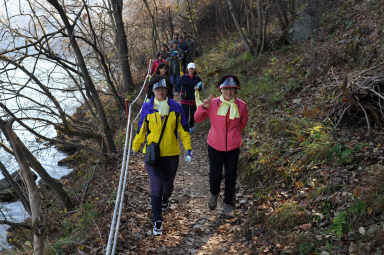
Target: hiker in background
188 84
162 72
184 35
174 39
175 71
184 47
159 112
159 59
228 116
191 48
175 47
165 50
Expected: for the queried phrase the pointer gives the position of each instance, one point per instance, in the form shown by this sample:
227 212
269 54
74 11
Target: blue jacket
175 66
150 125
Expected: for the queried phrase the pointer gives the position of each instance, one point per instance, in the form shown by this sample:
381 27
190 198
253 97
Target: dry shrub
372 190
287 217
323 59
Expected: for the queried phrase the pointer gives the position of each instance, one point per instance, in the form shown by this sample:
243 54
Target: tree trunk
283 14
19 192
239 28
264 30
154 29
122 47
221 15
259 24
33 193
194 27
31 161
170 20
86 76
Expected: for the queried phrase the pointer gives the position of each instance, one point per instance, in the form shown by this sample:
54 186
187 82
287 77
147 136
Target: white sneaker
157 228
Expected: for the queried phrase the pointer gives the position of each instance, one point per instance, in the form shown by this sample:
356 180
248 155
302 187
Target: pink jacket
155 64
220 137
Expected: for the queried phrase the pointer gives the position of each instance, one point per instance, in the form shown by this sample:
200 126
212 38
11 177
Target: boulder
302 26
7 193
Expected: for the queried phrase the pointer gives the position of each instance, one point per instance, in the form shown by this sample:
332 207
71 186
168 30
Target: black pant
216 161
189 111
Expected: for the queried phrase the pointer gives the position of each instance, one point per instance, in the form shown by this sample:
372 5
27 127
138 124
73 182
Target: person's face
191 71
160 57
175 45
162 71
160 93
163 48
228 93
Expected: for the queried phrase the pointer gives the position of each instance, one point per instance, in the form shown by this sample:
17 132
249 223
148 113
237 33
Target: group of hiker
180 51
163 120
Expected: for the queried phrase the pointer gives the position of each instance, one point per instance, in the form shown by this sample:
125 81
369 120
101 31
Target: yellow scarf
162 106
225 105
197 98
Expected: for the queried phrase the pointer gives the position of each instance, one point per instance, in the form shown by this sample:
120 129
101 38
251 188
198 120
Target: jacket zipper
226 135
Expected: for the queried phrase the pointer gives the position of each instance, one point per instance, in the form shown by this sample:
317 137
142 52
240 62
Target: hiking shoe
164 206
157 228
228 211
212 202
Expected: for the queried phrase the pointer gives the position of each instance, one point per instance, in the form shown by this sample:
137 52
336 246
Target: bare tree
33 192
85 73
121 41
155 37
240 29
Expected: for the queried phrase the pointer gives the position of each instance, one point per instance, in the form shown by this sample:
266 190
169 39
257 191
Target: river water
48 156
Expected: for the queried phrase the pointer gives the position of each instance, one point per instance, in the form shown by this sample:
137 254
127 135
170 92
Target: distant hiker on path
162 72
160 112
191 48
189 82
159 59
175 39
229 116
184 47
165 50
175 71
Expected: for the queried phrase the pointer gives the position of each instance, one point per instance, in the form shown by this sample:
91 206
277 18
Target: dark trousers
161 178
189 111
218 159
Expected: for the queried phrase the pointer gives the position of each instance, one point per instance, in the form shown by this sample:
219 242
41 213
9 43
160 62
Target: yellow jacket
150 125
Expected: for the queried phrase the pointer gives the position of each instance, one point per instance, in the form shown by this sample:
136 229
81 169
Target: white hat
191 65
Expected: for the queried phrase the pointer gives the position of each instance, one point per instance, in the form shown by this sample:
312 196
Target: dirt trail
189 226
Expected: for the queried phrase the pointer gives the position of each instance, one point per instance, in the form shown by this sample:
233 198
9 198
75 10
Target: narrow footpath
189 226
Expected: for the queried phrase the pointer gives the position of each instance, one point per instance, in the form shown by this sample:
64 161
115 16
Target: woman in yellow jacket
162 175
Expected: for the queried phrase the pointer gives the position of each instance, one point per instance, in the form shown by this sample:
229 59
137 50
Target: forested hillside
311 171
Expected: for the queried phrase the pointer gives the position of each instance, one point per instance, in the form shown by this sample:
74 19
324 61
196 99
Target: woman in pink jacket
229 116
